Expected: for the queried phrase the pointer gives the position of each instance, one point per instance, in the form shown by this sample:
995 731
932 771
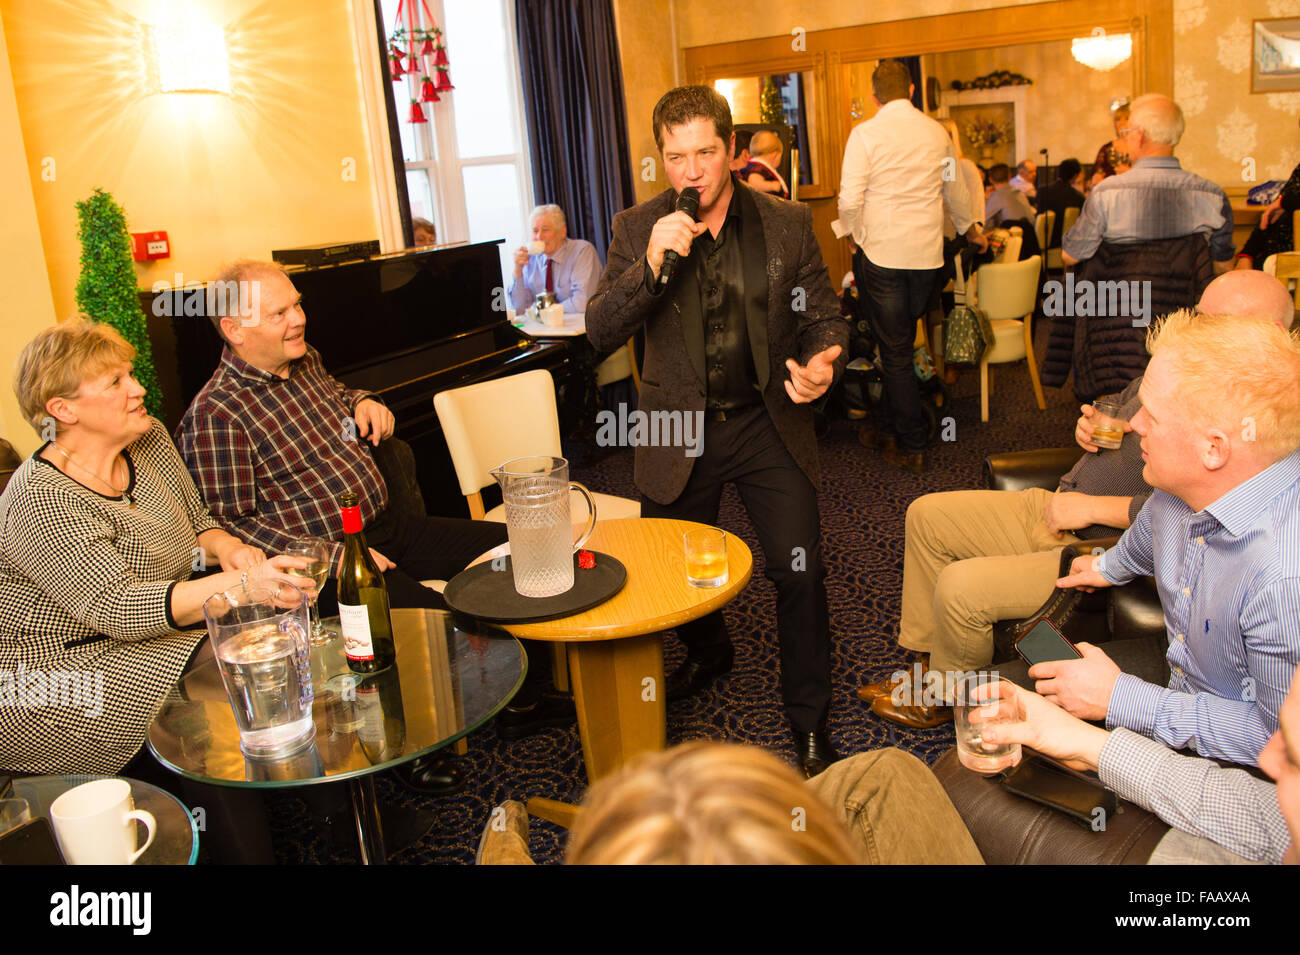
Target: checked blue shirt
1229 582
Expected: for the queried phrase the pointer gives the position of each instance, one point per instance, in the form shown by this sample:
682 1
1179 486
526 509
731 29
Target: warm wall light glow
191 58
1101 51
728 90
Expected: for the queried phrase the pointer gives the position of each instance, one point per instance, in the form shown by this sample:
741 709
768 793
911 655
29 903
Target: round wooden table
615 654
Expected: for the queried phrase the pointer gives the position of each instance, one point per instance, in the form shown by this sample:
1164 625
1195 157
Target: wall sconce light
191 57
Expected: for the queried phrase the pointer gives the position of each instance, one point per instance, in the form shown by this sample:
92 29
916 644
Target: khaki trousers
973 558
896 809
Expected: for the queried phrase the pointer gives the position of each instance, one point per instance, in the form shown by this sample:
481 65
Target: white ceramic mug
536 247
95 824
554 316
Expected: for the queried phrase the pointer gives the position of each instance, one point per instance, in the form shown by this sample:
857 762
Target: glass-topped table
451 676
176 840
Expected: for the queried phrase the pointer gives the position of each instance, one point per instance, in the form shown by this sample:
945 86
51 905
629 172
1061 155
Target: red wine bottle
363 598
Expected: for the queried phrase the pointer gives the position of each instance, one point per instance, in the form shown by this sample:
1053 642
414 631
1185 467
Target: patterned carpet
863 503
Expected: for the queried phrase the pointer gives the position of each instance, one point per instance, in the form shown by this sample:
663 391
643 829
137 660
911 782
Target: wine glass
317 553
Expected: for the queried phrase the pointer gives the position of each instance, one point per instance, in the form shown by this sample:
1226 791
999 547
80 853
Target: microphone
688 202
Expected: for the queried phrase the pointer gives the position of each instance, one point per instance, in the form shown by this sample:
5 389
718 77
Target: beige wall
646 50
1227 125
1065 106
280 162
25 302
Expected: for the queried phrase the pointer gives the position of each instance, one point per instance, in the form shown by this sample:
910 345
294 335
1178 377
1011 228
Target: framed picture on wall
1275 60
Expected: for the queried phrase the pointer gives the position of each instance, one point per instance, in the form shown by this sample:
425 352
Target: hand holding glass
1107 425
981 699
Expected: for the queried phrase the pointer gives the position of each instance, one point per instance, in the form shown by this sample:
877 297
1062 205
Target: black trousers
896 298
782 503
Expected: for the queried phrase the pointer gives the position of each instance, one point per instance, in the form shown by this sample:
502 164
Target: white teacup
553 316
95 824
536 247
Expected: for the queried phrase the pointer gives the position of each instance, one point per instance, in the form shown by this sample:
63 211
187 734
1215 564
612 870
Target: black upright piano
406 326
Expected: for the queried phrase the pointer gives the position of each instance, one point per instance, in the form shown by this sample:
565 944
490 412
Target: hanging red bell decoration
416 30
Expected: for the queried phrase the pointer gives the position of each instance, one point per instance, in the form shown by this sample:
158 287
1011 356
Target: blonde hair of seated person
708 803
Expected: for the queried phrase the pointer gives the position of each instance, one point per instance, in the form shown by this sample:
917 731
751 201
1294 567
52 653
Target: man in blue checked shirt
1220 427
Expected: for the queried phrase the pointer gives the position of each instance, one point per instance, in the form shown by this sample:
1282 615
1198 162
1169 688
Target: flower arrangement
985 132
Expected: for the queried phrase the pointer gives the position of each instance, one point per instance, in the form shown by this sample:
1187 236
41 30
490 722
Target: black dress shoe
695 675
434 775
815 751
518 722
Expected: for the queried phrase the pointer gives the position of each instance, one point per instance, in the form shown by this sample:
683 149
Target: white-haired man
1157 198
570 268
1218 534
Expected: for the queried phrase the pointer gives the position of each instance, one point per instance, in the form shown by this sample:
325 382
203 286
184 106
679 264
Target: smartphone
1043 643
32 843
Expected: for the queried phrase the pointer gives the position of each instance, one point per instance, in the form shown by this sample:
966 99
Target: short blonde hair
1235 373
708 803
950 127
59 359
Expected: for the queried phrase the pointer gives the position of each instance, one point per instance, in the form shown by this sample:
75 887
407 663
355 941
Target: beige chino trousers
973 558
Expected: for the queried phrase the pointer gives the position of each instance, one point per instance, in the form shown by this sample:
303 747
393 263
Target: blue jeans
897 298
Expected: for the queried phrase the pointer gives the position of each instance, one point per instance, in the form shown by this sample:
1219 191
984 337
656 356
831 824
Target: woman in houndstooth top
100 532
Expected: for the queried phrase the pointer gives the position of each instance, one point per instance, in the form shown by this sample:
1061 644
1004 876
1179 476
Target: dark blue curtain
913 64
577 121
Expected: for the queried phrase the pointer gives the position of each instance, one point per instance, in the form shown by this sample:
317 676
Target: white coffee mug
536 247
554 316
95 824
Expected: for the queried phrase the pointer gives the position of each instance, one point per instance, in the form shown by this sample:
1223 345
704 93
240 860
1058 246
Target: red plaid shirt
271 456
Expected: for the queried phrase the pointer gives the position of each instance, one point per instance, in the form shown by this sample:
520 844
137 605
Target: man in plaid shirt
272 441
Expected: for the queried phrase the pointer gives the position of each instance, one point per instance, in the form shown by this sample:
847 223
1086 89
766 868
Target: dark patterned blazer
791 312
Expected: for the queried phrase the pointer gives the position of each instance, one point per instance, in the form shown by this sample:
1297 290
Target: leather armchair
1132 611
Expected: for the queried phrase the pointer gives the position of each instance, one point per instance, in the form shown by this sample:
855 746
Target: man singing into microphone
746 331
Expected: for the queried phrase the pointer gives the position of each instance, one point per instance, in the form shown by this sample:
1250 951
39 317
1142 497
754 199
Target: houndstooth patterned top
88 646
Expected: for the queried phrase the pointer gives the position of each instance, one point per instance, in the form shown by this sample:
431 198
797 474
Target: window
467 168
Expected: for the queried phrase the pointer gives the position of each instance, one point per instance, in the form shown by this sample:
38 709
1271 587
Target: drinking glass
318 552
1107 425
981 699
13 813
706 557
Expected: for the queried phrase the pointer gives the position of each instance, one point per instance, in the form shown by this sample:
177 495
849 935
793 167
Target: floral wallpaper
1229 129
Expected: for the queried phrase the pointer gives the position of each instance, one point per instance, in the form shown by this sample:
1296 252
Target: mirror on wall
773 100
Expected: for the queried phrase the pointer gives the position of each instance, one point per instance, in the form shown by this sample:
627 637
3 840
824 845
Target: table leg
365 810
618 688
552 810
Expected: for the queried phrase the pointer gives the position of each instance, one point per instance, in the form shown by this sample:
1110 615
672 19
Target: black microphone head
689 201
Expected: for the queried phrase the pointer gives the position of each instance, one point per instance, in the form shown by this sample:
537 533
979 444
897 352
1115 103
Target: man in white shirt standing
899 168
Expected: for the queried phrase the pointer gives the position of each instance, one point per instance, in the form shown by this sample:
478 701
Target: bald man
764 157
1157 198
975 557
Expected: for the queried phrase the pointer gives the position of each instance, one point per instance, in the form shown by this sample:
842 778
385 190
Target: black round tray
487 591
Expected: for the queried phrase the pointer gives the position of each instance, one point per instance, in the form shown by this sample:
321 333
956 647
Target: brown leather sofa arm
1011 830
1019 470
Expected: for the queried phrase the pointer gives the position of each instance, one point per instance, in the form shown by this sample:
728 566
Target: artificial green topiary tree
106 291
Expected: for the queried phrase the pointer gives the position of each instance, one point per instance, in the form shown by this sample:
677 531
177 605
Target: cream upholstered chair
1011 250
1043 223
1054 261
618 366
1286 267
493 421
1007 294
